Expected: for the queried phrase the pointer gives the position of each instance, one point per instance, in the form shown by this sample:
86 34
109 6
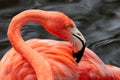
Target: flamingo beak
78 42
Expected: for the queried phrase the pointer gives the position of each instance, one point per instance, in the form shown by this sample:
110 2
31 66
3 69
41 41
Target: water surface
98 20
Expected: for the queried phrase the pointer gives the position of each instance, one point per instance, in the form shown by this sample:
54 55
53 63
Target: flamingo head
63 27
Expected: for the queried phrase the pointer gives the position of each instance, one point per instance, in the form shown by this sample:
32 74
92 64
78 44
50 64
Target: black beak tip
79 54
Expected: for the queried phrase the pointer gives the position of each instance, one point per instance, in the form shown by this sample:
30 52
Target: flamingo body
16 67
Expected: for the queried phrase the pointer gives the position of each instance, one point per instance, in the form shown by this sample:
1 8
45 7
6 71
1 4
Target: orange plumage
57 54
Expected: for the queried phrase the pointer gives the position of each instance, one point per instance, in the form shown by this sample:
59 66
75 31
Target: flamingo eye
68 26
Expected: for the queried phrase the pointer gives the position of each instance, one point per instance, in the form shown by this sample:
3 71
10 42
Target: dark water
98 20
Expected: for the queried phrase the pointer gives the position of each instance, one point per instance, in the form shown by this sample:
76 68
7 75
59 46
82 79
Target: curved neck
22 48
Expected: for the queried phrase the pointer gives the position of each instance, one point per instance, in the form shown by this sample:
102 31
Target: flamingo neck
22 48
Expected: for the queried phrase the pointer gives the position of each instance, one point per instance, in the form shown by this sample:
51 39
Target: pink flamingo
38 59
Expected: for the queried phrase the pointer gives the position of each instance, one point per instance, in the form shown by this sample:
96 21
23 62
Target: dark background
98 20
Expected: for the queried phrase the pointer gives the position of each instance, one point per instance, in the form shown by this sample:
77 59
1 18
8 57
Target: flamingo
38 59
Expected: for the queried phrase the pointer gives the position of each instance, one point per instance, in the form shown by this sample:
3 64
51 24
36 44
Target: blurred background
98 20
